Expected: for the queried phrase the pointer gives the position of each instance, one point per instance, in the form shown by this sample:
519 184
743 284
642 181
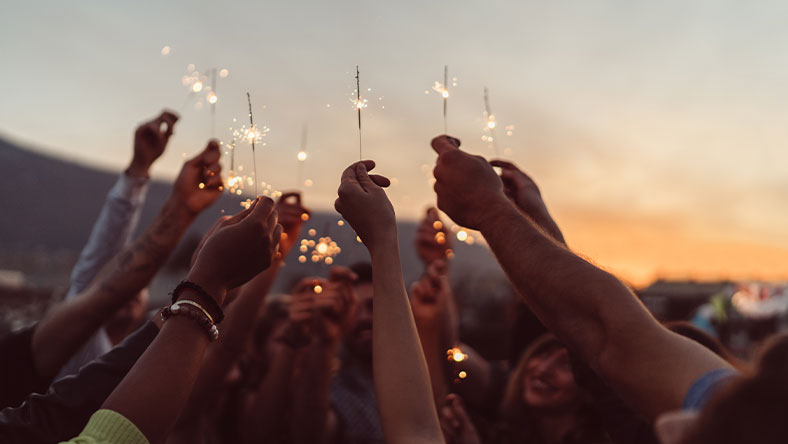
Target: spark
455 354
224 73
166 50
301 155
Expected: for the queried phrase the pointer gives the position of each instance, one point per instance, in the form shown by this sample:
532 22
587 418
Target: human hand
324 308
432 238
238 249
468 189
456 425
150 139
363 203
523 192
290 213
433 304
199 184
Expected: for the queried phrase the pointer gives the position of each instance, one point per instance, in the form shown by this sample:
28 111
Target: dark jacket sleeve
65 409
18 377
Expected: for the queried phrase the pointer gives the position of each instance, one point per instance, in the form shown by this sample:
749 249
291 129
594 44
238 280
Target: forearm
157 387
112 231
435 357
62 332
312 395
596 315
265 415
234 333
401 377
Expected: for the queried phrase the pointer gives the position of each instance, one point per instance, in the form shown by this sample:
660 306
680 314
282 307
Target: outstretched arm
402 385
60 334
588 308
153 393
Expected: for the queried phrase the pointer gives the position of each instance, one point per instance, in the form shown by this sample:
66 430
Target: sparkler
359 105
445 96
490 128
443 90
252 135
212 99
302 155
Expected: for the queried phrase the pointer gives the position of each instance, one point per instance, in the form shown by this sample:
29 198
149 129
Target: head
358 341
543 382
751 409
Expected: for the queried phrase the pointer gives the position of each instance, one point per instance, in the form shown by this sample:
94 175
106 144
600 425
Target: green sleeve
109 427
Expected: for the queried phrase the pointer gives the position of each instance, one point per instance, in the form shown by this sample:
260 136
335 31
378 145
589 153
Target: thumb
363 177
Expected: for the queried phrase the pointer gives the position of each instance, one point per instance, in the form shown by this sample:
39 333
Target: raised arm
402 386
116 224
153 393
120 214
587 308
63 331
239 322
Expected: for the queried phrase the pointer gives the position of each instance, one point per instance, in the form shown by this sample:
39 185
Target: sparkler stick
252 137
212 100
445 96
359 105
302 155
490 120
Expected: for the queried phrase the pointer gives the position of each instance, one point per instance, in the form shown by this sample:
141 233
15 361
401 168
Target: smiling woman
542 402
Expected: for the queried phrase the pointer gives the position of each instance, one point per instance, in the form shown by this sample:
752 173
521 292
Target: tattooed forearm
63 331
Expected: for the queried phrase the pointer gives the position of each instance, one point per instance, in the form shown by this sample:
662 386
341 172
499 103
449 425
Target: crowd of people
356 356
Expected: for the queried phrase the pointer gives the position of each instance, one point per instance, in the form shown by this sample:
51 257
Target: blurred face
548 382
359 339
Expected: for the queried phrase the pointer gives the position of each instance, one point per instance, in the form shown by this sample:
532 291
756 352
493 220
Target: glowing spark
197 86
201 185
302 155
302 259
317 289
211 97
462 375
312 232
462 235
224 73
437 225
359 104
340 223
165 50
455 354
304 217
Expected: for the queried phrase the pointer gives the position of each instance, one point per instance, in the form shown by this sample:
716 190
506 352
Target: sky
656 130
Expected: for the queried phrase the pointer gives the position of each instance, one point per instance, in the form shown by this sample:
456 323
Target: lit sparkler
490 124
302 156
359 105
443 90
252 134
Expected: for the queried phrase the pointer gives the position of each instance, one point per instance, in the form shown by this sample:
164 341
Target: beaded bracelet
195 312
216 311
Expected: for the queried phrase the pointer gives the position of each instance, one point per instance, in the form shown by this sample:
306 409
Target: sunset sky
656 130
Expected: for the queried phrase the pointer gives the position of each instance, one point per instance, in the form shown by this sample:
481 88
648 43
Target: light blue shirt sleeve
703 389
112 231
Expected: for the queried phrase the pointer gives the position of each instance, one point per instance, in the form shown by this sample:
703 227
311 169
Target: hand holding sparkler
469 191
199 183
324 308
291 217
456 425
524 193
432 240
364 204
237 249
150 139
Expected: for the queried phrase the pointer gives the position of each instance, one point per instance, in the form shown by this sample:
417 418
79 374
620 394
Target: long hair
518 419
